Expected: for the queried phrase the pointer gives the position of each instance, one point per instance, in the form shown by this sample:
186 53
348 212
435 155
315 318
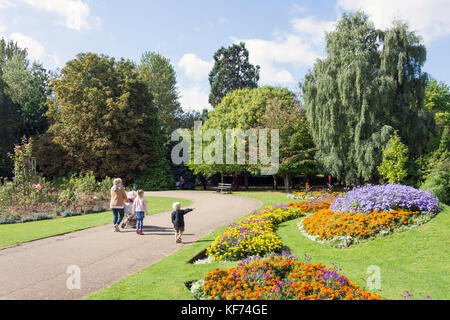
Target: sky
284 37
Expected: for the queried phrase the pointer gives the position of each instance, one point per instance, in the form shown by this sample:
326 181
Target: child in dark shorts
178 220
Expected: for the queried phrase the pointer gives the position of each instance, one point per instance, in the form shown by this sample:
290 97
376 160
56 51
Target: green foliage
438 181
269 108
395 157
232 70
370 83
156 177
102 116
22 100
437 100
159 75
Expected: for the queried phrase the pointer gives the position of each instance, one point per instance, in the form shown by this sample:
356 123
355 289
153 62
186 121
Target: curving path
38 270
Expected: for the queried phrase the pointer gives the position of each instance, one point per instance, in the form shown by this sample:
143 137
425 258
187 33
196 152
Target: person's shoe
116 227
179 240
141 233
124 225
137 231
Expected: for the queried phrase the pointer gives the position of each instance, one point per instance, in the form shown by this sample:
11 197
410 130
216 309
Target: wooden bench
224 187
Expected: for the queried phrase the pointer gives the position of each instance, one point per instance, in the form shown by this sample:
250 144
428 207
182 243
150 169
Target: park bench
224 187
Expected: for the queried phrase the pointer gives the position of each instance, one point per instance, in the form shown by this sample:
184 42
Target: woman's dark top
178 217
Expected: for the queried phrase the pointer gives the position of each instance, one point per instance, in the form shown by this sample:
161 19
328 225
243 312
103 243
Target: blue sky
283 37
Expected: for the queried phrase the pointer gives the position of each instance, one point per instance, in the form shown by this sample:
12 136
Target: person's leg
122 214
138 224
116 216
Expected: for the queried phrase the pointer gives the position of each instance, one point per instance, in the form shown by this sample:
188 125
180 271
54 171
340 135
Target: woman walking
117 205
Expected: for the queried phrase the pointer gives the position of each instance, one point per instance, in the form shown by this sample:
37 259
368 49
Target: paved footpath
38 270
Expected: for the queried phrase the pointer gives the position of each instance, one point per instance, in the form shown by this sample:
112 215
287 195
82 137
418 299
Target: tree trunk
287 182
204 182
275 183
246 180
222 177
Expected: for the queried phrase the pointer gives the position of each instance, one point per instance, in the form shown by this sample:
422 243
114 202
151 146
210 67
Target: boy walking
178 220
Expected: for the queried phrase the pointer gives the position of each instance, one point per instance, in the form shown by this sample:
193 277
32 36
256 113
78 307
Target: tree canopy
232 70
159 75
103 117
370 84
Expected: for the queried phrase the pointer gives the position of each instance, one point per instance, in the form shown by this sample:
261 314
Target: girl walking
140 210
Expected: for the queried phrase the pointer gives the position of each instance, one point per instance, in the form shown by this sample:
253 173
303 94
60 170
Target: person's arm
187 211
125 196
173 217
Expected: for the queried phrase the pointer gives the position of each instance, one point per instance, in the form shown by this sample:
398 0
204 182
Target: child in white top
140 210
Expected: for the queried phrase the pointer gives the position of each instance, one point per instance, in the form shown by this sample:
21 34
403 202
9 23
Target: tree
103 117
232 70
395 156
370 84
437 100
297 150
11 123
265 108
159 75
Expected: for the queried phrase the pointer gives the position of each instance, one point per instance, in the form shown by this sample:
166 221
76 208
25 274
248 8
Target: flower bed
77 195
253 235
278 278
311 195
256 235
385 198
345 228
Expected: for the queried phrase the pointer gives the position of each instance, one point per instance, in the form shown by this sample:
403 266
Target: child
140 210
178 220
130 221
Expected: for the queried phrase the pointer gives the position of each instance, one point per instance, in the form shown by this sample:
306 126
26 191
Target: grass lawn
416 260
165 280
23 232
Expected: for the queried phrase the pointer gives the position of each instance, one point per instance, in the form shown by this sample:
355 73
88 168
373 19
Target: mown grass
165 280
416 260
11 234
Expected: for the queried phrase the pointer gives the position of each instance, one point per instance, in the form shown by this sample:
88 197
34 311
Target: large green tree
265 108
159 74
103 117
232 70
23 97
370 83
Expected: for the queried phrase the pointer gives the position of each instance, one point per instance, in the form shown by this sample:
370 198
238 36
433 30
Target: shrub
395 156
8 218
386 198
157 177
438 182
278 278
37 217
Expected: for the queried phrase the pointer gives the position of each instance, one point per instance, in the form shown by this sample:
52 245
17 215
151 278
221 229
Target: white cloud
428 17
75 13
194 67
194 98
36 51
299 47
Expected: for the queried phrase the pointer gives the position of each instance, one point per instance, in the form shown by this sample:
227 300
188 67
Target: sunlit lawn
416 260
23 232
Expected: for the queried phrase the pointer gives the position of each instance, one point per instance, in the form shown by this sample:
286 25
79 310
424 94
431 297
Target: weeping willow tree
370 84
